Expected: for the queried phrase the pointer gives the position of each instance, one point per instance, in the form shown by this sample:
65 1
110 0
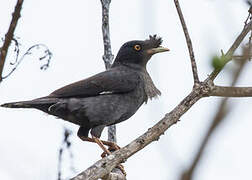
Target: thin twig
108 56
46 57
189 43
223 91
240 57
9 35
219 117
108 59
230 52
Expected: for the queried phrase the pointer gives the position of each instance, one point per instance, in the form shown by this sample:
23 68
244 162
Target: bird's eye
137 47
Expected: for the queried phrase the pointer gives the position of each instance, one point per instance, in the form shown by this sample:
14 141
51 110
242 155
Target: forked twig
218 119
188 42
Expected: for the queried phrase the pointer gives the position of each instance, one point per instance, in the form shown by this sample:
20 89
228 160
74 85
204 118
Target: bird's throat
149 87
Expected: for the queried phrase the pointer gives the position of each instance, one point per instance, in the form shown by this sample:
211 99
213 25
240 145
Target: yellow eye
137 47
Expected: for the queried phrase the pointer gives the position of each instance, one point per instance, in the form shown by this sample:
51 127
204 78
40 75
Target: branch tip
188 42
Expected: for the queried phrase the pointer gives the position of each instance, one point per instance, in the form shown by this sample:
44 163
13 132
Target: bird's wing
110 81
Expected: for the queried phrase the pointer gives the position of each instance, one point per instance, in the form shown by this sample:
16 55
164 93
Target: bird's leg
107 143
112 146
83 135
99 142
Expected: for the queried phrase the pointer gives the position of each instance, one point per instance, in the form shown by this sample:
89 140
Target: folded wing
111 81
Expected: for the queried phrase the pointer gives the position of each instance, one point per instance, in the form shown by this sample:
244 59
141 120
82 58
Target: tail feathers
40 103
21 104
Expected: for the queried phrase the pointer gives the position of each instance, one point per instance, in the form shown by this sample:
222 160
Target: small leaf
218 62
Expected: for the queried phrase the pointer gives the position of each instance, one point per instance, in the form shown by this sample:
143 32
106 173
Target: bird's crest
154 41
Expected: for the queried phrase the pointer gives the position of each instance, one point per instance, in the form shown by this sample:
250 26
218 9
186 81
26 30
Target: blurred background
30 140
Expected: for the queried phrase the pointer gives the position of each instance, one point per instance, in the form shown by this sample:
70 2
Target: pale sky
72 30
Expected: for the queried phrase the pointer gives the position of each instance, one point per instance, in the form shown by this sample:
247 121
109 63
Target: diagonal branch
9 35
230 52
219 117
189 43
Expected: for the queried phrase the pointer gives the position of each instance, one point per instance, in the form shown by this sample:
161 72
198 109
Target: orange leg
101 143
107 143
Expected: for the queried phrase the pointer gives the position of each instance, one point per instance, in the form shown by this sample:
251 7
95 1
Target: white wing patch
106 92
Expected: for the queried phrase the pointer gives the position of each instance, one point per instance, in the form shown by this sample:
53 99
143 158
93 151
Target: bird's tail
20 104
36 103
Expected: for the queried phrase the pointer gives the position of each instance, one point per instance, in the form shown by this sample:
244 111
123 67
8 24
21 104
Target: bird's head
139 52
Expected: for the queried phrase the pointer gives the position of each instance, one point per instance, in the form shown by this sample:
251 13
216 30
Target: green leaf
218 62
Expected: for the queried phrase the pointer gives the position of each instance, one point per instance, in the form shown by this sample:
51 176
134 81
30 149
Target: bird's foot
100 143
113 147
121 167
108 152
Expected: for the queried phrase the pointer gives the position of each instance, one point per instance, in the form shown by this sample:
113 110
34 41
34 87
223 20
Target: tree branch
235 91
231 91
219 117
108 59
108 56
230 52
9 35
189 43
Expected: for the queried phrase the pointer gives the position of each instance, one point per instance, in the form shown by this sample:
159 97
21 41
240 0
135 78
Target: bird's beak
157 50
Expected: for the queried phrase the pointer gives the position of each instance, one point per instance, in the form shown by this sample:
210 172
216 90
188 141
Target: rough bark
9 35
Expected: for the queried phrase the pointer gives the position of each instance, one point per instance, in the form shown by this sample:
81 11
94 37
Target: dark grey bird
107 98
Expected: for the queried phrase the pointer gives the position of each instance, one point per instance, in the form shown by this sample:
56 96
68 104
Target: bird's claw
121 167
112 147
